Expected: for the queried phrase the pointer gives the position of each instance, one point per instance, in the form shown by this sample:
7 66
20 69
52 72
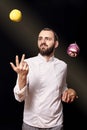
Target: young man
41 84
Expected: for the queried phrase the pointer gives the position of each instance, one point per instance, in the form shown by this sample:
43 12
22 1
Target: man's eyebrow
39 36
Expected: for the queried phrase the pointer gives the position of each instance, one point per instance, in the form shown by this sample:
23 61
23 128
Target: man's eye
47 38
39 38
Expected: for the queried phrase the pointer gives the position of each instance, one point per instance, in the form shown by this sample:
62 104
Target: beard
47 51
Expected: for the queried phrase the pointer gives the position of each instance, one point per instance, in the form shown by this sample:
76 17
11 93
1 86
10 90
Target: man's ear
56 44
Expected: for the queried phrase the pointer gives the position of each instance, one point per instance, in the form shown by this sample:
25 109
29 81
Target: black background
68 19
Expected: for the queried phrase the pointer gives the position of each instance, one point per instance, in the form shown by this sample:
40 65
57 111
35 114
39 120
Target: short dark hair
56 38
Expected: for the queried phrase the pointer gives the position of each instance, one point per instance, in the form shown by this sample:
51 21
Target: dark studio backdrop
68 19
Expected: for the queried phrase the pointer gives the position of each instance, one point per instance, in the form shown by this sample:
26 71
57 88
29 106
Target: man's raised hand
21 67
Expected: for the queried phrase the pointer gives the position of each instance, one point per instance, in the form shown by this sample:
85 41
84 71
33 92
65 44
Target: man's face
46 43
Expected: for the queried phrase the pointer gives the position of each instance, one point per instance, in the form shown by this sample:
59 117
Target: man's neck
48 57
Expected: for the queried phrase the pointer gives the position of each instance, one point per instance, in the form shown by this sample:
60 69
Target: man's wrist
22 81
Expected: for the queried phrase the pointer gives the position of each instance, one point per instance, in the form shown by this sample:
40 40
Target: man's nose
43 40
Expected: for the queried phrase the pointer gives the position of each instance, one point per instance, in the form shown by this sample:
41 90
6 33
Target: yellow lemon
15 15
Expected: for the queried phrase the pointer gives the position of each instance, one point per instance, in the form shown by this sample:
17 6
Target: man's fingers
19 65
13 66
17 60
25 67
23 57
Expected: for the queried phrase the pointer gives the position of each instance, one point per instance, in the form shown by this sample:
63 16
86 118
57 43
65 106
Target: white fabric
42 95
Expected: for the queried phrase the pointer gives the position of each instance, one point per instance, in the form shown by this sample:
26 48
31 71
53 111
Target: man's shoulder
31 59
59 61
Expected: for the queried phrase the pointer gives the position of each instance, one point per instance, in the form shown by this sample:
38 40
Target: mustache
43 44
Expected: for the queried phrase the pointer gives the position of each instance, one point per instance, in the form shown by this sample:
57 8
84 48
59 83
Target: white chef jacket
46 81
